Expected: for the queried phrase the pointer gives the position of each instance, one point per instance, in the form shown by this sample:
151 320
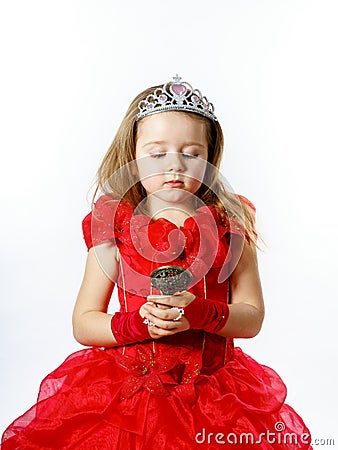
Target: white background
69 69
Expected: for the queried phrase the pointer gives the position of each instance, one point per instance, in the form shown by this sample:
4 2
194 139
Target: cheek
148 183
151 183
149 167
197 171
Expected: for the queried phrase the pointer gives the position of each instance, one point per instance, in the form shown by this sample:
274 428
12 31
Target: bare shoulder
103 260
98 282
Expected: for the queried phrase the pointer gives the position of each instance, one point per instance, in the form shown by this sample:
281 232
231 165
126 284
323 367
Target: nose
176 162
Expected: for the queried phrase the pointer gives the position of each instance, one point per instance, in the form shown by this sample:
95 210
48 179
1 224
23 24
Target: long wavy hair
212 192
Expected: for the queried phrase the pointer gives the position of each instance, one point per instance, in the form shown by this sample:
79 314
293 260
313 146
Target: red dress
192 390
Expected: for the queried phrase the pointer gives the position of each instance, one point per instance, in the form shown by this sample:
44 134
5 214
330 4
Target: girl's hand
164 313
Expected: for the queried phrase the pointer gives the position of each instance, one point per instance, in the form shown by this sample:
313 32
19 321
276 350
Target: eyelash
160 155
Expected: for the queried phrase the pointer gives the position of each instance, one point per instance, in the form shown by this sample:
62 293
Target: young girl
163 373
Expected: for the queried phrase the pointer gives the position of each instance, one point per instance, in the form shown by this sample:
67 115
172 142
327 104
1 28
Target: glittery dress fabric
192 390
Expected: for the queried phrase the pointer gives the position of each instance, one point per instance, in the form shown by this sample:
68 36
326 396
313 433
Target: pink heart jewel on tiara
178 89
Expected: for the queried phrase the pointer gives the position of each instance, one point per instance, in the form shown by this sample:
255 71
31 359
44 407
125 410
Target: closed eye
162 154
189 155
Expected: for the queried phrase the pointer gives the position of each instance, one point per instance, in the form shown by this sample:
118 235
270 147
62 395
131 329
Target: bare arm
247 304
91 323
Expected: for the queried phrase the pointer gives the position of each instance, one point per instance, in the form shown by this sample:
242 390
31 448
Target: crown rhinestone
178 89
176 95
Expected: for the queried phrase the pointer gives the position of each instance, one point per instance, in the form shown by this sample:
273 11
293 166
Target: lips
174 183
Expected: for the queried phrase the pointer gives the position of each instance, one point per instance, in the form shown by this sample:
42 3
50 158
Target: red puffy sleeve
87 230
248 203
102 223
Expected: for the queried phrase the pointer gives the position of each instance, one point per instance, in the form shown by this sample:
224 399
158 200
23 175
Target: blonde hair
212 192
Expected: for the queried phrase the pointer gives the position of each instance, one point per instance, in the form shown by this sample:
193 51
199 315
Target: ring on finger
180 313
147 322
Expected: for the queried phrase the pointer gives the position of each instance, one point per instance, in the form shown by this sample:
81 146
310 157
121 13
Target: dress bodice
203 244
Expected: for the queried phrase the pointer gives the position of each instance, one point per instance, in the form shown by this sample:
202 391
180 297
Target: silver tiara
176 95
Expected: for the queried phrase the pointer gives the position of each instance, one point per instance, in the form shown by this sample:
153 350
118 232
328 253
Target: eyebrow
187 144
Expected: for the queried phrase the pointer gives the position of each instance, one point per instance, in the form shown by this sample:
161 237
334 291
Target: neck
176 212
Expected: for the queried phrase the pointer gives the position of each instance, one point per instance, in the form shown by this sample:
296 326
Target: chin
173 195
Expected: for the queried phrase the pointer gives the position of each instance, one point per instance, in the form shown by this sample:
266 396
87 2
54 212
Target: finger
157 298
161 306
179 312
146 305
172 301
160 323
165 314
179 299
157 333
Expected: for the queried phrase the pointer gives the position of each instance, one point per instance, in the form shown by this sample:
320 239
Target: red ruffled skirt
137 399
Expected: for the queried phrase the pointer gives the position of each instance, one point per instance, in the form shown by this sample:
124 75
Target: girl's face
171 155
